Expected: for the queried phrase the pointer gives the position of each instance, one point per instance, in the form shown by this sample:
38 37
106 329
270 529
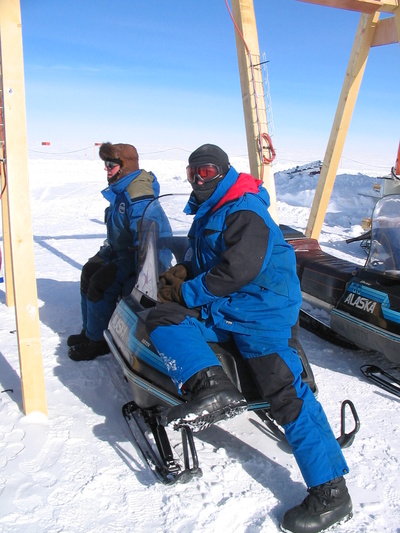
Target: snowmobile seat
238 371
290 233
321 275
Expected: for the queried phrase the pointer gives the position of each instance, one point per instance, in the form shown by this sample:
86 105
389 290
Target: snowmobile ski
161 461
345 439
383 379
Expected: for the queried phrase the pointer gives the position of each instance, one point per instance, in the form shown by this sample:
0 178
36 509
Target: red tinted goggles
203 173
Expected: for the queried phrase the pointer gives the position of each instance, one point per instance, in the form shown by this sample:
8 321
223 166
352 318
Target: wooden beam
362 6
19 213
344 111
9 285
385 32
397 22
253 97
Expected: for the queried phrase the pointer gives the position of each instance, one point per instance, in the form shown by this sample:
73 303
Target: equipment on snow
356 306
161 462
382 378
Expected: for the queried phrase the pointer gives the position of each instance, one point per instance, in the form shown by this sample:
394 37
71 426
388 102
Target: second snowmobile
352 304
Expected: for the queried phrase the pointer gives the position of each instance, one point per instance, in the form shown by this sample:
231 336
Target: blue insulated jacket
128 198
244 273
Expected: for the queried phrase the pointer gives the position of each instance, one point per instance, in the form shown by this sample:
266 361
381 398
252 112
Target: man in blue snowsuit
241 283
129 191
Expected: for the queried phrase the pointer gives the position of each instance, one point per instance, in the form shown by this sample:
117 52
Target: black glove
170 290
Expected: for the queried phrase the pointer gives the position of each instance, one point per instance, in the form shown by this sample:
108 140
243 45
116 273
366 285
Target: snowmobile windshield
163 240
384 254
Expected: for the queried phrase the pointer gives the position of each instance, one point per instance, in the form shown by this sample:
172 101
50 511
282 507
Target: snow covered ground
77 471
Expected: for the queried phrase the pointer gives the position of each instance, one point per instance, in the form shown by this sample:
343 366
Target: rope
59 153
3 173
270 148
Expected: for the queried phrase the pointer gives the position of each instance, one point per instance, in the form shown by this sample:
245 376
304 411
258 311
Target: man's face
112 169
204 179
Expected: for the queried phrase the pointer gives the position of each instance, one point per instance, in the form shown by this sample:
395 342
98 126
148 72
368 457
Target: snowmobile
357 306
152 390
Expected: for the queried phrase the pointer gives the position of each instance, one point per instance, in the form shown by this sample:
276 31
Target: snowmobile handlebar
362 237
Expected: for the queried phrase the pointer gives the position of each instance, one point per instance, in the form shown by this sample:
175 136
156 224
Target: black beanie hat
210 153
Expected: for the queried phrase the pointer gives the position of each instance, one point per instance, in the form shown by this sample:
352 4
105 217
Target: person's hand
171 289
179 271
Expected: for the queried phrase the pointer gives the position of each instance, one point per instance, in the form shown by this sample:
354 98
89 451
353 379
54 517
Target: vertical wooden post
9 286
19 213
344 111
251 82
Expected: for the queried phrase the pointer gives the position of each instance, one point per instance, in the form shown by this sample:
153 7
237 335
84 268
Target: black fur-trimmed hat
210 153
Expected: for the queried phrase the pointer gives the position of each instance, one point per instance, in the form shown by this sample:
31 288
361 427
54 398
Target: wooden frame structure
362 6
17 225
370 32
253 98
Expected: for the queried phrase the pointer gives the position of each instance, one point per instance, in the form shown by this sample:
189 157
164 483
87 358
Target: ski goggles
112 163
203 173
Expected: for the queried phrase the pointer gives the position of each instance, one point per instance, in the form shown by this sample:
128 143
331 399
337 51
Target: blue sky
163 75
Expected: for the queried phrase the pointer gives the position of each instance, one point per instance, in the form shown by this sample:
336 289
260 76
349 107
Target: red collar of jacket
244 183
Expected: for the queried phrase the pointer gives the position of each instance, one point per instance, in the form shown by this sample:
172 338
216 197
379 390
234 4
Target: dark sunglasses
112 164
203 173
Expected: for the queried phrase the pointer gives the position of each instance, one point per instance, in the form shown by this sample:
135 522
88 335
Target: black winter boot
73 340
211 397
88 350
325 505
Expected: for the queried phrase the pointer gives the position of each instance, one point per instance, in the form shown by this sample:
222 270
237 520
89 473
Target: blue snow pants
102 283
276 369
